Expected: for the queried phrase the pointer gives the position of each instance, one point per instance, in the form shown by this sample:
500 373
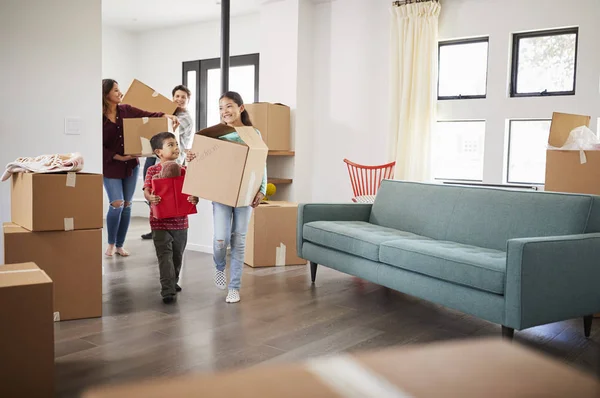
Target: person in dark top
120 171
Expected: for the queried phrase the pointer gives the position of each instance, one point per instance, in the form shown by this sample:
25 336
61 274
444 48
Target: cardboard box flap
22 274
144 97
562 125
249 135
216 131
11 228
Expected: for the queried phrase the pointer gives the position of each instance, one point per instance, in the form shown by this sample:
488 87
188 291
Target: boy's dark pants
170 245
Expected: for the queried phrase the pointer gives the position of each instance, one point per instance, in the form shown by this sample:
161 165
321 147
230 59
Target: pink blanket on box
44 164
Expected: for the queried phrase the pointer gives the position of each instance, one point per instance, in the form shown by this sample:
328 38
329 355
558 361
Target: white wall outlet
73 126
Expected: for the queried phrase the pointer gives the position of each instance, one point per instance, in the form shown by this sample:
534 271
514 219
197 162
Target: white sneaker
220 281
233 296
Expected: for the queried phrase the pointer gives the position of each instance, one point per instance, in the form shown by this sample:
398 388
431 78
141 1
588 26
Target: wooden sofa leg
587 325
507 333
313 271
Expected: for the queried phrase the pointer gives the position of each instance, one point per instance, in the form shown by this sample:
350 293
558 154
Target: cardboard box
226 172
271 238
137 133
72 259
487 368
564 170
57 201
147 99
26 332
273 122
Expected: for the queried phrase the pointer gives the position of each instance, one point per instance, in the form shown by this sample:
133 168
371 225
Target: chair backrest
366 180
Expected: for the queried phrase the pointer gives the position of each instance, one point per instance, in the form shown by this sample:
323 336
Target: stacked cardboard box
271 238
26 332
57 224
565 171
138 131
273 122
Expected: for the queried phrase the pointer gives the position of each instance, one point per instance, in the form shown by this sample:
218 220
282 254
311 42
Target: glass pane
463 69
546 63
192 106
241 79
528 140
458 150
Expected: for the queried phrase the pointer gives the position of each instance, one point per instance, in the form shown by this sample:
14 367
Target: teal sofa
515 258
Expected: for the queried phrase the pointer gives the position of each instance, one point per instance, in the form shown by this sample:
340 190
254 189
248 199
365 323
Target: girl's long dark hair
237 98
107 86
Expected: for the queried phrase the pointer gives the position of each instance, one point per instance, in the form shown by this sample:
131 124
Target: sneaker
147 236
169 299
233 296
177 288
220 281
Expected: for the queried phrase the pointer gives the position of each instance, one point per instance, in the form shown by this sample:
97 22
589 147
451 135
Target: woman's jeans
230 227
117 218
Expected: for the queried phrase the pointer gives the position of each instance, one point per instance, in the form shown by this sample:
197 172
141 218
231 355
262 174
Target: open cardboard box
137 133
564 170
144 97
223 171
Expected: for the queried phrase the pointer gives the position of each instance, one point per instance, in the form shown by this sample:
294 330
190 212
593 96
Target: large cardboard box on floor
226 172
26 332
144 97
57 201
273 122
564 170
487 368
72 259
137 133
271 238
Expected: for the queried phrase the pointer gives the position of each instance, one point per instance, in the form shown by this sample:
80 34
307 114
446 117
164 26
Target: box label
69 224
71 179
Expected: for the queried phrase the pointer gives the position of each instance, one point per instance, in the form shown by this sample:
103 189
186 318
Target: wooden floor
281 318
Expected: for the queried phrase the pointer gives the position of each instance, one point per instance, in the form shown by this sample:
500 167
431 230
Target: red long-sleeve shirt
113 143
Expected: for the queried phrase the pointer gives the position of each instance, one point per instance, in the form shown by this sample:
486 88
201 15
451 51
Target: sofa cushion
353 237
482 217
472 266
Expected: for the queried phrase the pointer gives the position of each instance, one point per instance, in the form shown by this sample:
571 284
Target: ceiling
140 15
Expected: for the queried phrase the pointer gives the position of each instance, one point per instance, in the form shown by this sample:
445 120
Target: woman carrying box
120 171
231 223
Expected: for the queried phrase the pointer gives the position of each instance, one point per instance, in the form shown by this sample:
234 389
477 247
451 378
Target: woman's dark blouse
113 143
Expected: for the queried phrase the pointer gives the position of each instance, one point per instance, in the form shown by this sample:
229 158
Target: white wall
162 52
159 57
351 58
51 69
119 55
498 20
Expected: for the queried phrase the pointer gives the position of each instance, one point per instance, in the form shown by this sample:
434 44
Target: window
527 143
205 77
463 69
458 150
544 63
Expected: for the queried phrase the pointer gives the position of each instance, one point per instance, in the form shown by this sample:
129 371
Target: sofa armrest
551 279
309 212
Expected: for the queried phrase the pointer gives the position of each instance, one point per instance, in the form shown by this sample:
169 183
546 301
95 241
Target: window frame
514 74
462 179
471 40
202 66
508 181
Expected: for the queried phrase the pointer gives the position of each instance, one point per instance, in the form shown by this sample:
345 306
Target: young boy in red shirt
169 234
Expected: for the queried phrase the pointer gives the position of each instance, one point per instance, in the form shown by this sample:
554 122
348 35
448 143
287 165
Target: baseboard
199 248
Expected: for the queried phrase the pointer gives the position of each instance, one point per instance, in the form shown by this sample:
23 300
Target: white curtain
414 48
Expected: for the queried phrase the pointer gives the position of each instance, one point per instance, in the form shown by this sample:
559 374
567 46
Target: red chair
367 179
